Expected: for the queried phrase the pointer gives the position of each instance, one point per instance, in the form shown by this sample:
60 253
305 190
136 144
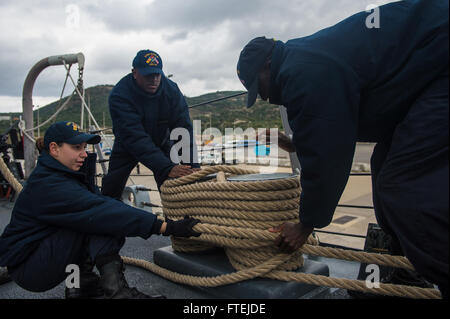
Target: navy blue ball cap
251 61
148 62
68 132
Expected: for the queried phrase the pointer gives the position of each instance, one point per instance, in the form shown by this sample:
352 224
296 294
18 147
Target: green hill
227 113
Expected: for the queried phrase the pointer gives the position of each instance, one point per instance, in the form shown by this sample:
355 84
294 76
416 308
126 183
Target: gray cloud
175 36
189 15
199 40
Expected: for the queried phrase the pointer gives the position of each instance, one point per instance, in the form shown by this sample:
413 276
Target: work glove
182 227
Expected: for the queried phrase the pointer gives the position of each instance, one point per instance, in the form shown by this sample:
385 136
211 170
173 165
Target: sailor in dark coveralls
61 218
145 107
353 83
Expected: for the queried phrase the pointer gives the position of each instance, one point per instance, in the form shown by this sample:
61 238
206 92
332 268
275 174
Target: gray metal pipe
27 101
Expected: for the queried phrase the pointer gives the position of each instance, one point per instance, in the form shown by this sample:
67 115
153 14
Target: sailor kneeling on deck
61 218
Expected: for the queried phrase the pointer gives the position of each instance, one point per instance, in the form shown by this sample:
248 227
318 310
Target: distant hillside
233 112
226 113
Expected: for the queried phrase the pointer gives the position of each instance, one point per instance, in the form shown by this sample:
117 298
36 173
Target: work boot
396 276
112 280
89 283
388 243
4 275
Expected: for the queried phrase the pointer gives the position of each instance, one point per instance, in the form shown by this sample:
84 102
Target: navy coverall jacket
56 197
350 83
142 124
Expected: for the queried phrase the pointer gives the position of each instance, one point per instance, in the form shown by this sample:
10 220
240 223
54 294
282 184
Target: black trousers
410 184
45 268
120 166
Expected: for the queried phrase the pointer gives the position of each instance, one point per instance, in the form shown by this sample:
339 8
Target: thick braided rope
262 270
229 216
10 177
222 201
236 216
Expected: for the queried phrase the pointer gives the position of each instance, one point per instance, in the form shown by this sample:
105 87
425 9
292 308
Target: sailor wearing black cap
387 85
145 107
60 218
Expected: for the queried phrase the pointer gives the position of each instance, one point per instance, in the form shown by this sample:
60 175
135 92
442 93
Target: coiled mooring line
237 216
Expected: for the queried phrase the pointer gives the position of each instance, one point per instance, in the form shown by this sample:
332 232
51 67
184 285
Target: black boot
114 285
89 283
4 275
396 276
381 241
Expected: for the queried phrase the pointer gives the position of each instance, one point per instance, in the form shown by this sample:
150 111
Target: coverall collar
49 161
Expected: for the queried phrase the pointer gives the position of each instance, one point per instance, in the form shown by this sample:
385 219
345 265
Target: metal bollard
137 196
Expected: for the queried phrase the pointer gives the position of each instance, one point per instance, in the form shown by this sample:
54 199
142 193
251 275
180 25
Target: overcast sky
198 40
